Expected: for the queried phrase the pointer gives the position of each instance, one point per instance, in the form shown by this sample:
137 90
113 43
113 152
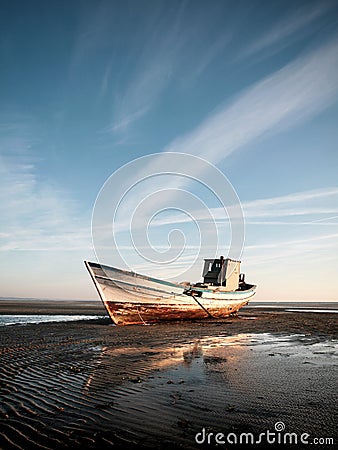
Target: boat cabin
222 272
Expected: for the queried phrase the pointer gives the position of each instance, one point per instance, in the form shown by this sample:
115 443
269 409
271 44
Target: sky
247 90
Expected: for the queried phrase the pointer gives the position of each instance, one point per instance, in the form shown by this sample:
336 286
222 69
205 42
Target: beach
202 384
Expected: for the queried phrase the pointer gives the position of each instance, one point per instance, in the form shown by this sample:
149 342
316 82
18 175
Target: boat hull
131 298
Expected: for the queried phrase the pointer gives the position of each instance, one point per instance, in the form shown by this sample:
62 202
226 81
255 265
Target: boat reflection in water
114 367
171 391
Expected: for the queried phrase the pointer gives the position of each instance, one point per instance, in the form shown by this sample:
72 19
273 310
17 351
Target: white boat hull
131 298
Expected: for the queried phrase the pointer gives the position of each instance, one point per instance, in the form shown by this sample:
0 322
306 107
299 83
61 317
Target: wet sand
94 385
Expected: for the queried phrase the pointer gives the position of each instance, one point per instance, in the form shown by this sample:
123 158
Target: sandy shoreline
51 307
93 385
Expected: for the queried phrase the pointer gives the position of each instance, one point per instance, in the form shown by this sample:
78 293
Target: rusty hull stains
133 314
128 314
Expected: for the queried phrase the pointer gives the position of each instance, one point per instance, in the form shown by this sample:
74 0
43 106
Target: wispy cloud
154 60
301 22
93 29
284 99
299 209
326 219
271 210
213 51
316 240
167 53
322 246
290 96
141 93
160 58
35 214
308 203
288 250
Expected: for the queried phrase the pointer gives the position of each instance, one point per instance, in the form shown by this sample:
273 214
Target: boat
132 298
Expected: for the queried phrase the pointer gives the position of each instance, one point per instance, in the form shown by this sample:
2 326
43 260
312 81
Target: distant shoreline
51 307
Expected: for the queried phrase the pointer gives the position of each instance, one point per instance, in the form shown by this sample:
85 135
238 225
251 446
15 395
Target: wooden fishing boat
131 298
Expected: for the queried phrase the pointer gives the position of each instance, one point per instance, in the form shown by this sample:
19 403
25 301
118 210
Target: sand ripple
95 386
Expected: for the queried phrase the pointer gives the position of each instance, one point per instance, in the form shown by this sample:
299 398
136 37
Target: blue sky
249 86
